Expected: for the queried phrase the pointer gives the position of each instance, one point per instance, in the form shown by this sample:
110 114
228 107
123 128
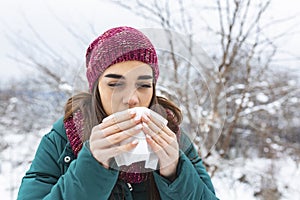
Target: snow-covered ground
245 178
235 179
15 160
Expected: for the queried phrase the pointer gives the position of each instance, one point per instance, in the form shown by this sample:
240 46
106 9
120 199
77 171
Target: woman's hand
105 137
163 142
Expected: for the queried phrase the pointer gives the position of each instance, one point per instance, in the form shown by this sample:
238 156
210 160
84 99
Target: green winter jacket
56 174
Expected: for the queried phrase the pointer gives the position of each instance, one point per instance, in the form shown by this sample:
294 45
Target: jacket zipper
130 187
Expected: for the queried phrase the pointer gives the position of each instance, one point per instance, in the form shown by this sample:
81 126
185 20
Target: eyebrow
144 77
118 76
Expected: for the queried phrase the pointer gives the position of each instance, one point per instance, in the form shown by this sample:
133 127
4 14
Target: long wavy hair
90 105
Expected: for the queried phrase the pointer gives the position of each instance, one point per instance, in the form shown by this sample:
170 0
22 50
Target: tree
243 57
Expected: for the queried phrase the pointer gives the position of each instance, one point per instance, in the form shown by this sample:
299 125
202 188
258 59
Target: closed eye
117 84
144 85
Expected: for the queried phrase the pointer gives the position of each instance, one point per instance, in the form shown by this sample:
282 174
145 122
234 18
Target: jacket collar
58 127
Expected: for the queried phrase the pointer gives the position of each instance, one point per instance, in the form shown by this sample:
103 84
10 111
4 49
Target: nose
131 99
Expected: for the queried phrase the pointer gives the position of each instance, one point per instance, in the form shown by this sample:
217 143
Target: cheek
111 100
146 98
106 100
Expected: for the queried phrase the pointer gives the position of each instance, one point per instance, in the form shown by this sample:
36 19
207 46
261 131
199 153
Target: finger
157 130
106 154
158 136
164 128
118 137
170 144
156 148
127 147
166 156
119 127
160 121
118 117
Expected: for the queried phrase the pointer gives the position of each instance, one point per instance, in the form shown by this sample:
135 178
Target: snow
65 87
243 178
262 97
238 101
294 100
238 178
15 161
235 87
250 104
292 82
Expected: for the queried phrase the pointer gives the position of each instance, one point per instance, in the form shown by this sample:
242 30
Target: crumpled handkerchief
142 152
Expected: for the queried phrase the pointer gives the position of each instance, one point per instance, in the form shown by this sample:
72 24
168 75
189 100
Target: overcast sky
44 16
48 18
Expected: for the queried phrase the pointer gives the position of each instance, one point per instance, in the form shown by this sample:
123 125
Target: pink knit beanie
118 45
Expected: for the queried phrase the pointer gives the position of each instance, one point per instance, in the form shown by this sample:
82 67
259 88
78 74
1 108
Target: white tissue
142 152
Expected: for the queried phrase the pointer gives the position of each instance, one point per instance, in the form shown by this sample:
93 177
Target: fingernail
148 136
132 111
134 142
137 118
145 125
138 127
107 118
145 117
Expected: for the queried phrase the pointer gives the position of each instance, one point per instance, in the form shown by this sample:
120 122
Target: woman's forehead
129 68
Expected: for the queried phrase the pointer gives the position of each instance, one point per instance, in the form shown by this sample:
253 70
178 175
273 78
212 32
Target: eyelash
144 85
114 84
138 85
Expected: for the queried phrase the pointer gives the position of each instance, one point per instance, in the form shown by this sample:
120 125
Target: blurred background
240 96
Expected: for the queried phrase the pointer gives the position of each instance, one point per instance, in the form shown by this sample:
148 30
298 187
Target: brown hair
93 113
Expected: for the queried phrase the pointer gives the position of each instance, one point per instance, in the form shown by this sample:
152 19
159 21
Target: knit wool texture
118 45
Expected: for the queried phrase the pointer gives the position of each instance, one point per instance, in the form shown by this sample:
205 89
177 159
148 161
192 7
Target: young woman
76 159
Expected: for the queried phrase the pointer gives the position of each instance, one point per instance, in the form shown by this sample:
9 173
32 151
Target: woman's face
126 85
